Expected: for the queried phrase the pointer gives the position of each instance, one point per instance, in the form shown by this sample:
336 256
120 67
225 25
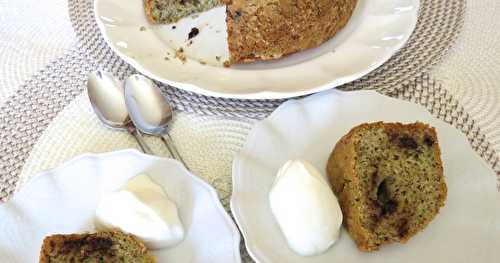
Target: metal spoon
149 110
106 96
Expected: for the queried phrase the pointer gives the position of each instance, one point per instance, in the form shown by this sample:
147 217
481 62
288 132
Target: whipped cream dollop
305 208
143 209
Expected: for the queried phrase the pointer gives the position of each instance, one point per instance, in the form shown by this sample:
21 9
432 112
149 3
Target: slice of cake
389 180
107 246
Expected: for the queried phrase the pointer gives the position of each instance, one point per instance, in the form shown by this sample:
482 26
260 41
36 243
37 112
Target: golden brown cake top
270 29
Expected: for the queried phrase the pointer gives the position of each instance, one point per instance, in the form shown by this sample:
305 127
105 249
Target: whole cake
264 29
389 180
105 246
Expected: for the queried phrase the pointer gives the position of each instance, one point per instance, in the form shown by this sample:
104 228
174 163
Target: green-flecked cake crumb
170 11
392 185
109 247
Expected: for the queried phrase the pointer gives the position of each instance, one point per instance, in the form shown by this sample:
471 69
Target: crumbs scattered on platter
179 53
181 50
253 37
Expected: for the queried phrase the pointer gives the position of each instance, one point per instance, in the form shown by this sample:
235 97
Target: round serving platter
308 129
375 32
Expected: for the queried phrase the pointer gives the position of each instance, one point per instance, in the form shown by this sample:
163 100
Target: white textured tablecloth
472 71
34 32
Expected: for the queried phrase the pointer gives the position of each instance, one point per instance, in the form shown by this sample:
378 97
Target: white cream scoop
305 208
143 209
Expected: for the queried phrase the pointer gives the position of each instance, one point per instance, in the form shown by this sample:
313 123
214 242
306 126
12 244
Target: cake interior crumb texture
107 246
389 180
170 11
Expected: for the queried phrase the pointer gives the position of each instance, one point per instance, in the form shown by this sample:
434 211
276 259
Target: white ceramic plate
377 29
64 200
467 229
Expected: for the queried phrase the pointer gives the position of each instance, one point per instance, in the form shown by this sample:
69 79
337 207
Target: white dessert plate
377 30
467 228
63 200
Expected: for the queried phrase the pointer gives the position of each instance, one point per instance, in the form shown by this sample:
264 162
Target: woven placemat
438 25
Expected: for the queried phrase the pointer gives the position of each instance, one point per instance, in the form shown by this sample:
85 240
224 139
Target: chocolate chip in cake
389 207
407 142
387 204
236 15
428 140
194 32
100 243
403 227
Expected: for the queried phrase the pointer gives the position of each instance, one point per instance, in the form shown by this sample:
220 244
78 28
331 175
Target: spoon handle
140 140
172 149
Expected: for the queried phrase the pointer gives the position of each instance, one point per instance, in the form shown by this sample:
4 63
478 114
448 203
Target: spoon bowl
108 102
107 99
150 110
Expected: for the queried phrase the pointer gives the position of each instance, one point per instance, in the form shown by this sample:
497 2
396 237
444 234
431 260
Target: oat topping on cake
271 29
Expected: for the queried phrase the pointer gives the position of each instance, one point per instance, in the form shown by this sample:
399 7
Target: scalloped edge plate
63 200
465 230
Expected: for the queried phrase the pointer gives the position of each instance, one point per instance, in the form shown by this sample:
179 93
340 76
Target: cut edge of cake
175 10
89 245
